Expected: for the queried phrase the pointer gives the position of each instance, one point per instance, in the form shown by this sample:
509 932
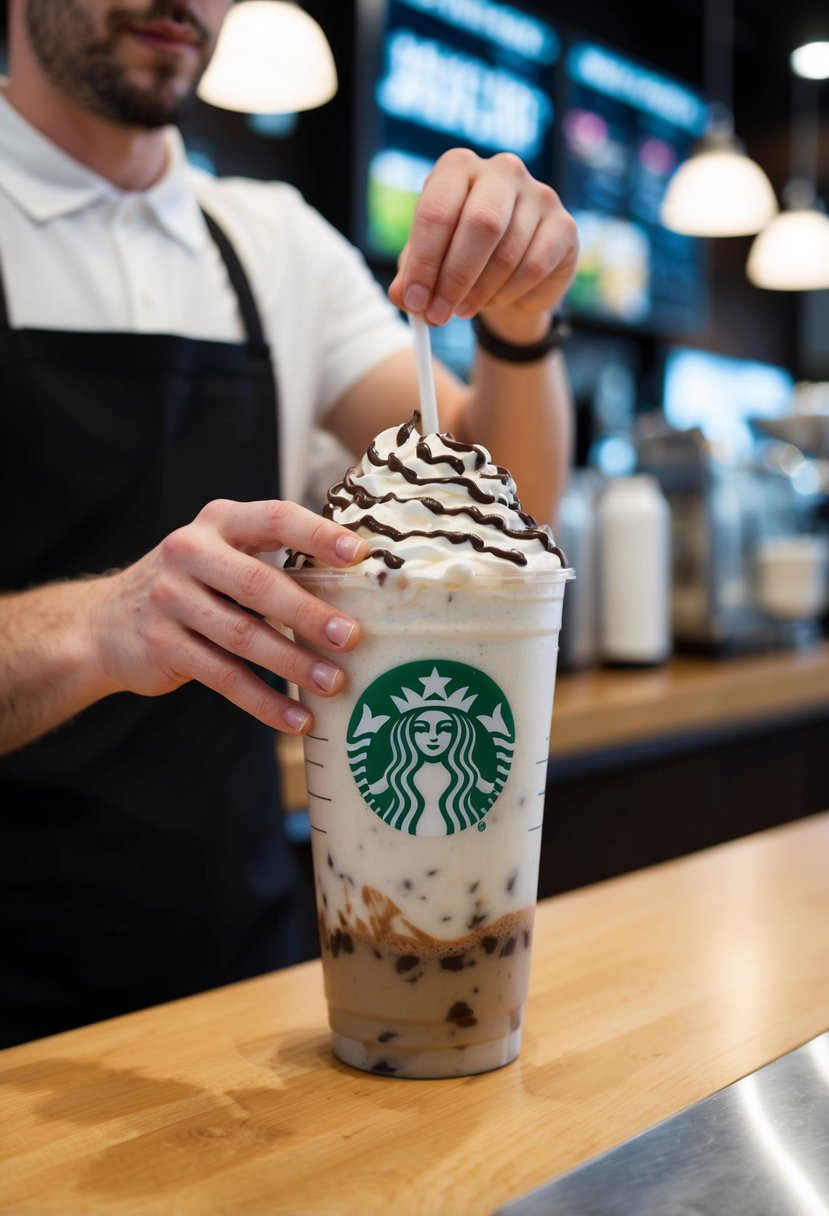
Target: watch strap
513 352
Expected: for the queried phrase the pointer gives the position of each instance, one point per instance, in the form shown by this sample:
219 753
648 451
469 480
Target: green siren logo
430 746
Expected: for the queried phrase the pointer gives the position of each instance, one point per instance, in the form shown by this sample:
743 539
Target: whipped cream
431 507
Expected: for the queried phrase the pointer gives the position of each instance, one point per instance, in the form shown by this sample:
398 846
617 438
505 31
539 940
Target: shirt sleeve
358 325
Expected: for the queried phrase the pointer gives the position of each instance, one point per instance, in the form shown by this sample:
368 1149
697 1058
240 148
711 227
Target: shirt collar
48 184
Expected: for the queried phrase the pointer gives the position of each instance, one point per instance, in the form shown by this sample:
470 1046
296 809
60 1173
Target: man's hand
192 609
487 236
186 610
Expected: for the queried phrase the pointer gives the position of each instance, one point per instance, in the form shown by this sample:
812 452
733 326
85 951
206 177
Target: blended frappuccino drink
426 775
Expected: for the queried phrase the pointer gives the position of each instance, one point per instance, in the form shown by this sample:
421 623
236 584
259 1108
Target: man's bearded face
134 66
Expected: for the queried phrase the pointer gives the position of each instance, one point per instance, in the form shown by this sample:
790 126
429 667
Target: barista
167 342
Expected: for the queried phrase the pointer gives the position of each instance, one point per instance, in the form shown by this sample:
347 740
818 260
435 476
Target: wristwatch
513 352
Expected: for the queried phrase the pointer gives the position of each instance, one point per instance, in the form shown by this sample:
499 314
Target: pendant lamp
271 58
718 190
792 252
811 60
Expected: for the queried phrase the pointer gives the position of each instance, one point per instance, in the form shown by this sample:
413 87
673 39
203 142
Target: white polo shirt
77 253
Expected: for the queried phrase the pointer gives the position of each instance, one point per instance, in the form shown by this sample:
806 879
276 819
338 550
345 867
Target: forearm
200 606
48 671
523 414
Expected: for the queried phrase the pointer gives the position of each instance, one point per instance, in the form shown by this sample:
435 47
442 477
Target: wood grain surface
606 708
648 993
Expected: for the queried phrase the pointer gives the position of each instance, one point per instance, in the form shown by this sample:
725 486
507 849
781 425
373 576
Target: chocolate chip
489 943
453 963
507 948
476 920
474 888
406 962
431 873
511 881
330 862
383 1067
341 941
526 939
387 1036
461 1015
407 884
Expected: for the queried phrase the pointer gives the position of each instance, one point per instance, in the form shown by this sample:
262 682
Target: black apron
142 853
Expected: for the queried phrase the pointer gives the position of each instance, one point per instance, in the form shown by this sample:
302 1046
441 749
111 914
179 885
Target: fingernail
416 297
347 547
439 311
338 630
296 718
464 312
325 676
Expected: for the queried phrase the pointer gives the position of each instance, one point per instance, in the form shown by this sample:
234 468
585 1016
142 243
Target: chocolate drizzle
454 538
469 471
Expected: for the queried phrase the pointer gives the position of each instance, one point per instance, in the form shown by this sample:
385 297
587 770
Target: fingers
239 633
195 658
263 589
255 527
504 263
195 604
485 234
197 634
438 210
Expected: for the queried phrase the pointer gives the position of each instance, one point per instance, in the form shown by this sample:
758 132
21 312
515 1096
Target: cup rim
316 574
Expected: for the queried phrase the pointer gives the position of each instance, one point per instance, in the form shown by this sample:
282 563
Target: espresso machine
719 511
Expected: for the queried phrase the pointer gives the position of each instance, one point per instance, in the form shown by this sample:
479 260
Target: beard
81 61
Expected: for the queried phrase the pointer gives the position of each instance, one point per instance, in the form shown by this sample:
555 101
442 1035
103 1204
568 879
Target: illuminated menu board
471 73
625 129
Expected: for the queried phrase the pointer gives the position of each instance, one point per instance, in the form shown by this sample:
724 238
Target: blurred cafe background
694 696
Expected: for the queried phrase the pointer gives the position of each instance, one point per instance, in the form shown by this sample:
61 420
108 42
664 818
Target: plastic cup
426 781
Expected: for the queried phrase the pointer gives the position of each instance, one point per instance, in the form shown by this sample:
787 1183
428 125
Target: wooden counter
649 992
606 708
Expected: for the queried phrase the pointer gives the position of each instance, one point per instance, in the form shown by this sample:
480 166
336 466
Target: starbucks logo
430 746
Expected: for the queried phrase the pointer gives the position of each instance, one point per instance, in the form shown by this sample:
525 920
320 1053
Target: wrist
515 326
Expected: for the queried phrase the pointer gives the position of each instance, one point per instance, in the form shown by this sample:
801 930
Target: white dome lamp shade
271 58
811 60
718 190
792 252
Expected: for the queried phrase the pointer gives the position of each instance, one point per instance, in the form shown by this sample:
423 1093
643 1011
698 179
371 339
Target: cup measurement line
319 738
316 763
321 797
322 831
537 828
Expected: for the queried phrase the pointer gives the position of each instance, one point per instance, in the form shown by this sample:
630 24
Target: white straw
425 378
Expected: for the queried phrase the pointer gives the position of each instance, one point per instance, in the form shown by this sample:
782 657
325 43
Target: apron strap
4 312
240 284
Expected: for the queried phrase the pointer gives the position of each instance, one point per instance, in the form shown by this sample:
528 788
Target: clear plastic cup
426 781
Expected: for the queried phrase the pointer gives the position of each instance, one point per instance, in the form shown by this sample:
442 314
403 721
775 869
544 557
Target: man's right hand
191 609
